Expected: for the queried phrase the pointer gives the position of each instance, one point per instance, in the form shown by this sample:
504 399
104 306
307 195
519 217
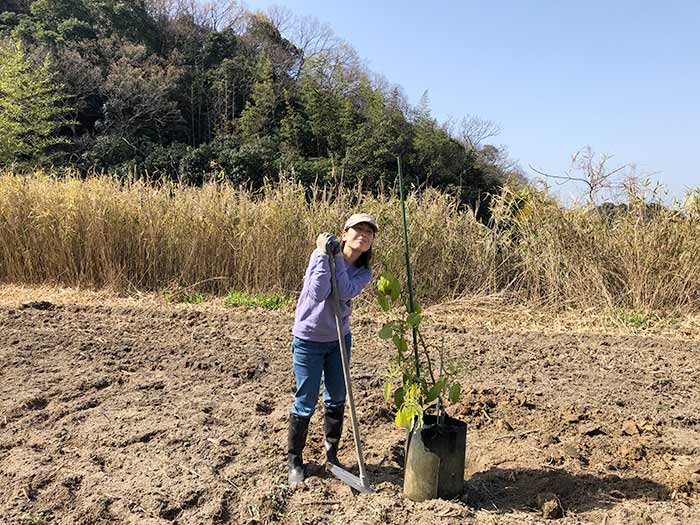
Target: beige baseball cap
357 218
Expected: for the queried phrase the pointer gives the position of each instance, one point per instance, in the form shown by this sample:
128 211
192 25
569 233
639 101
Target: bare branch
474 130
282 18
214 14
313 37
315 40
567 178
594 172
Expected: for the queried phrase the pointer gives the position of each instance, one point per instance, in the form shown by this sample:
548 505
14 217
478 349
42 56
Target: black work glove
327 244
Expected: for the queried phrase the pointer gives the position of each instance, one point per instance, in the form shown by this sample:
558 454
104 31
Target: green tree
372 149
138 91
326 107
440 160
224 81
291 129
54 22
32 107
258 116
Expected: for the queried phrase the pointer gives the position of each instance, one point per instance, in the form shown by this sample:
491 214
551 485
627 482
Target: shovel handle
335 300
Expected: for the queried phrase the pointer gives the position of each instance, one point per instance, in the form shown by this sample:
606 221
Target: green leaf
455 391
416 307
383 302
395 289
398 397
413 319
423 387
384 284
404 417
400 343
386 330
435 391
398 420
387 391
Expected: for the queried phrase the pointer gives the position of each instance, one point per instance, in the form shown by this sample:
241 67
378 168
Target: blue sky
620 76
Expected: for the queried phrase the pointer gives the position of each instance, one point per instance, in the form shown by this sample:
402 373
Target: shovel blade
349 479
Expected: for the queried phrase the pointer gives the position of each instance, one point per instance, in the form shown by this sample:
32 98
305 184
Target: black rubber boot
333 428
296 439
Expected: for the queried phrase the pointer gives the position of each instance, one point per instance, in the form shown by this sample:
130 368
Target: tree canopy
32 106
185 90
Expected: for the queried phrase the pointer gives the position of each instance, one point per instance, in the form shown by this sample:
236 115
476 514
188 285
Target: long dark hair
363 260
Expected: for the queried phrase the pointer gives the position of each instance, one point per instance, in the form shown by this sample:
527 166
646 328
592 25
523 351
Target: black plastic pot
435 460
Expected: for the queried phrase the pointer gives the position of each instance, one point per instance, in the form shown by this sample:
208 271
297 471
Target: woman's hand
327 242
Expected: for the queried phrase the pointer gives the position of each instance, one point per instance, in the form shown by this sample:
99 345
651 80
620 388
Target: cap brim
373 226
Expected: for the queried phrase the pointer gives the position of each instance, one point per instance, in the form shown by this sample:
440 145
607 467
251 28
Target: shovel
360 484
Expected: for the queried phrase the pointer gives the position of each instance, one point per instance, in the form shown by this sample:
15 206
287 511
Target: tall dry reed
101 232
640 256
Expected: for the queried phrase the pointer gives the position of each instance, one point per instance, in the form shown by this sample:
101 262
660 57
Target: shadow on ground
508 490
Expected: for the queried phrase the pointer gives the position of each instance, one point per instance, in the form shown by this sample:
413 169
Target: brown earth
136 411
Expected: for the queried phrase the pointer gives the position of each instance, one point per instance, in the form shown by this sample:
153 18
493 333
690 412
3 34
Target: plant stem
440 406
427 354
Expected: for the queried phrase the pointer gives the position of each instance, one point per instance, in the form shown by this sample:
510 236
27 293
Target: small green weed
189 298
275 501
269 301
633 318
33 519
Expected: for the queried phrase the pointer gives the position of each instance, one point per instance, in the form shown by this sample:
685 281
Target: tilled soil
177 414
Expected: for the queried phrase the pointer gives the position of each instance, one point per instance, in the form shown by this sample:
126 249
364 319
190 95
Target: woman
315 346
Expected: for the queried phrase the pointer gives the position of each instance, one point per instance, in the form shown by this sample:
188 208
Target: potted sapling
419 386
436 443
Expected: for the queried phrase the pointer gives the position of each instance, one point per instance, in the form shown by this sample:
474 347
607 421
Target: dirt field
135 411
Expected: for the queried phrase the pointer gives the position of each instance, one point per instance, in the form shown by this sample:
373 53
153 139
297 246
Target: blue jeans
310 360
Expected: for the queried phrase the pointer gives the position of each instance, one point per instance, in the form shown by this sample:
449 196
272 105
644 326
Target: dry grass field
99 232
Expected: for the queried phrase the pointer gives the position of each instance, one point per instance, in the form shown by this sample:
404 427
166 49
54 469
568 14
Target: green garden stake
408 265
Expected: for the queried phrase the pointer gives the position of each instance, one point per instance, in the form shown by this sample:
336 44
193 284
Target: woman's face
359 237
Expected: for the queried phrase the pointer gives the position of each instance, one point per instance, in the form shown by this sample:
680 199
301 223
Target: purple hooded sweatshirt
314 319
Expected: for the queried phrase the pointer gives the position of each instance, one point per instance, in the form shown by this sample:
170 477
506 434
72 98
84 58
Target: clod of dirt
503 425
548 439
635 451
556 457
170 511
36 403
263 407
571 450
574 417
631 428
39 305
694 468
548 503
522 401
646 519
687 489
592 429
